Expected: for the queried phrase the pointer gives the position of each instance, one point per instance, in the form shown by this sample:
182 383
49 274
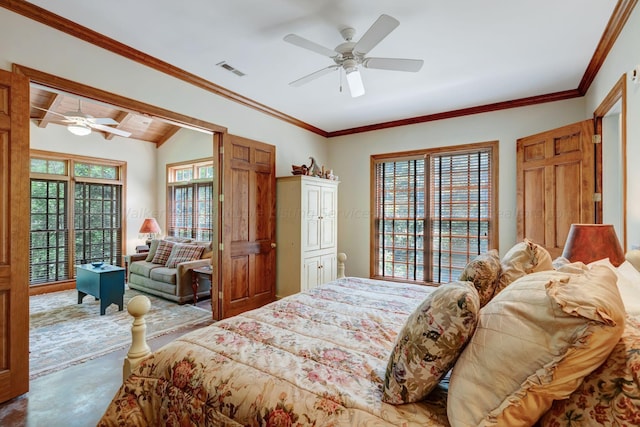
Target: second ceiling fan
79 123
351 55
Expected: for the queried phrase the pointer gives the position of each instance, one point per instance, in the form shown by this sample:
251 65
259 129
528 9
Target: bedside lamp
592 242
150 227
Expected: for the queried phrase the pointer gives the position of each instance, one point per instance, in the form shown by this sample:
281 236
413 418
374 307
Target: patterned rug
64 333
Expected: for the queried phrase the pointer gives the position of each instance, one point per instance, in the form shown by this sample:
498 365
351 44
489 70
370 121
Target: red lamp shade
149 226
592 242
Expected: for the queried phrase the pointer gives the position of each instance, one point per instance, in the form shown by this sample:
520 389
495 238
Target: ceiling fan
351 55
80 123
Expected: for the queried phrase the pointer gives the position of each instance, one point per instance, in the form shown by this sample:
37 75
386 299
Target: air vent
228 67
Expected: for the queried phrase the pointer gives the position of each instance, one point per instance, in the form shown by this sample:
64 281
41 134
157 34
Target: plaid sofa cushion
162 252
182 253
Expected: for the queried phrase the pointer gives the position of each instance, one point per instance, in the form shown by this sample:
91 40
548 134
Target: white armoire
306 233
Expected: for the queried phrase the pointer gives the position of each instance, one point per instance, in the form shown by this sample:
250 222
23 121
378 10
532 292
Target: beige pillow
483 271
524 258
534 343
152 250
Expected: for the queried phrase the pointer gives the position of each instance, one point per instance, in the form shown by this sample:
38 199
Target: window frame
493 236
69 176
196 183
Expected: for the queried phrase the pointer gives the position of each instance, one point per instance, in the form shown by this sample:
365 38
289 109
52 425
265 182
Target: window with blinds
434 212
190 208
400 219
190 200
76 214
98 223
460 210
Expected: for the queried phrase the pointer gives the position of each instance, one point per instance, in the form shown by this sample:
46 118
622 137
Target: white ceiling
475 52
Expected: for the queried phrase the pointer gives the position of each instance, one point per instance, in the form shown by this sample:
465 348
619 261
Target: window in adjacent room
76 214
190 200
434 210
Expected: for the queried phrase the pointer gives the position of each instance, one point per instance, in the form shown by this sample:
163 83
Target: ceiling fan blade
321 72
49 111
110 129
102 121
374 35
394 64
309 45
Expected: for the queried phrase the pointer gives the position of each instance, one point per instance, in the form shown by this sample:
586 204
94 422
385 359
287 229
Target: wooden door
555 184
248 255
14 235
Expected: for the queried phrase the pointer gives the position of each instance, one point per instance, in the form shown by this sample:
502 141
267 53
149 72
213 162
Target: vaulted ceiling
478 56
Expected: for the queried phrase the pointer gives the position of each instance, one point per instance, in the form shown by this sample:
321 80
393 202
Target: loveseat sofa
165 271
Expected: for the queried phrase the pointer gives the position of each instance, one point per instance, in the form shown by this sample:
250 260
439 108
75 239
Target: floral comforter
316 358
610 395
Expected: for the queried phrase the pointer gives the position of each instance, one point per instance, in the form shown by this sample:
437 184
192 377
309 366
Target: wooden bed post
342 257
138 306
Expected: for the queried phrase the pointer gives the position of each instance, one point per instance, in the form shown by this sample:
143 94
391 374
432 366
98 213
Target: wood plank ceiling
49 107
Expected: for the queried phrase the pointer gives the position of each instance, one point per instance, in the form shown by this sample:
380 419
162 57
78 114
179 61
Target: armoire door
248 255
14 235
555 184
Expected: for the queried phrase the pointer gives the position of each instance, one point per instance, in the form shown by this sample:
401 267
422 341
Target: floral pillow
535 342
483 272
430 341
524 258
162 252
183 253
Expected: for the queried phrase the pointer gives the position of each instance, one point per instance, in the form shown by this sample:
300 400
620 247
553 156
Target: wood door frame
217 131
14 229
617 93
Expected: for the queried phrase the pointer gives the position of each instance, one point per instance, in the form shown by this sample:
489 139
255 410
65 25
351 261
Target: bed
322 358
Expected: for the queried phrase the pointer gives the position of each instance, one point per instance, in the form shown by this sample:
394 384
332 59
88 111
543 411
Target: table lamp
592 242
150 227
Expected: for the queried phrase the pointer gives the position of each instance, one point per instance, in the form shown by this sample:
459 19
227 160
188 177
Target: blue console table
105 283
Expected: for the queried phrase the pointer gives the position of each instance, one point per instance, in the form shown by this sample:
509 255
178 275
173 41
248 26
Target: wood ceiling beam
49 116
167 135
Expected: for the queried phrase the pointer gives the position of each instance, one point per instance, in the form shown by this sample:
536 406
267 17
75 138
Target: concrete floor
76 396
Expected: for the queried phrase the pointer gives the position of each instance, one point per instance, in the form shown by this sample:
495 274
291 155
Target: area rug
63 332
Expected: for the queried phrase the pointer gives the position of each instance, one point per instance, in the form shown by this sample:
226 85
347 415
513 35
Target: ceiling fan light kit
354 80
79 129
350 55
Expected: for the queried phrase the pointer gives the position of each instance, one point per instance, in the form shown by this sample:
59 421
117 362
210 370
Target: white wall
624 57
350 160
612 203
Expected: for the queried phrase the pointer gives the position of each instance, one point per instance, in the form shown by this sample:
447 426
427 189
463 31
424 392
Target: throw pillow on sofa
162 252
183 253
155 242
153 247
